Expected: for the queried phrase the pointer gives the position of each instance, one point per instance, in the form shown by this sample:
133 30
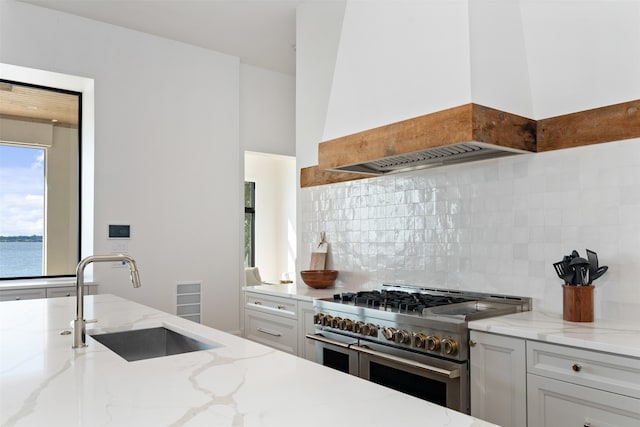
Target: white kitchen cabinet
69 291
272 321
22 294
281 323
498 379
554 403
518 382
306 347
50 292
570 386
272 330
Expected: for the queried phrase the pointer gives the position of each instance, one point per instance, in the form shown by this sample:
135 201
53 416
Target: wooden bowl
319 279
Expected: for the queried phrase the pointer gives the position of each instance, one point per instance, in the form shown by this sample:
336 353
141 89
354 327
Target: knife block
577 303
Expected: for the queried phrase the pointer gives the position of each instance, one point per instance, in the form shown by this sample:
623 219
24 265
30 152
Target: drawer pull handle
257 303
472 343
576 368
268 332
281 307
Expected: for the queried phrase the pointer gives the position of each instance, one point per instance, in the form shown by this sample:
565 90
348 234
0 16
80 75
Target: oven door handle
453 373
321 338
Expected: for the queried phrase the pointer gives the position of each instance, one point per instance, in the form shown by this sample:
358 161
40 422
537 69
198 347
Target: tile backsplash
491 226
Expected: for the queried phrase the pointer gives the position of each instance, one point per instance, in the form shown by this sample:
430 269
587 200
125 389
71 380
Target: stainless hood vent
456 153
461 134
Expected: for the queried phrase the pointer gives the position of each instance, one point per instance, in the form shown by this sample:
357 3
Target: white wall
275 203
267 111
167 151
318 27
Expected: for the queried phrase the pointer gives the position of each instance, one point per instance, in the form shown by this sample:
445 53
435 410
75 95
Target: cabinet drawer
67 291
20 294
269 304
555 403
603 371
274 331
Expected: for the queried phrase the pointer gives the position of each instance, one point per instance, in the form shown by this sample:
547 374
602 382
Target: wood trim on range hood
435 138
313 175
605 124
472 122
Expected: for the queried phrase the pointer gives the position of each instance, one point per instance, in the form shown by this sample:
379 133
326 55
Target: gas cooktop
413 301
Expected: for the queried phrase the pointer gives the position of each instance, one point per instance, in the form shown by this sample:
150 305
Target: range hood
461 134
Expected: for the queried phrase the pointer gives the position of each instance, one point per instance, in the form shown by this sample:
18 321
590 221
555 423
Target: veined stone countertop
619 337
43 381
299 291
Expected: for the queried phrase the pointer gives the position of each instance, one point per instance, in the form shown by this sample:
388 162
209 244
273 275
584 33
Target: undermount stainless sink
142 344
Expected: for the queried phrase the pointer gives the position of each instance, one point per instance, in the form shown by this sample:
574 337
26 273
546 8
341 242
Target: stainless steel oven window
333 351
426 377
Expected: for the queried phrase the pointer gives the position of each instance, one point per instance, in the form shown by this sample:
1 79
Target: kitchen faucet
79 324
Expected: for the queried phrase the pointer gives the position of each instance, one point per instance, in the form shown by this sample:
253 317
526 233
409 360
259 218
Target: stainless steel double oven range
411 339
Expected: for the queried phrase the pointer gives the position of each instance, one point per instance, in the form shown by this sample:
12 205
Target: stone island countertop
44 381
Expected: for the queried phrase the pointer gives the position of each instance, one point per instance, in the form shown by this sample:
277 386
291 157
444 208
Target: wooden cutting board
318 261
319 255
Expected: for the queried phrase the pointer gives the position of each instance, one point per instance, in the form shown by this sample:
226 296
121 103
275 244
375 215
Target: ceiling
259 32
39 105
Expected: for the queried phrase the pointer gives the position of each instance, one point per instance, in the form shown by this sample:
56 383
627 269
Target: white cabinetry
20 294
272 321
44 292
565 386
279 322
498 379
569 386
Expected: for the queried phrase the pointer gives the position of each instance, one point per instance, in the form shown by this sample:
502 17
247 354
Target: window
39 181
249 224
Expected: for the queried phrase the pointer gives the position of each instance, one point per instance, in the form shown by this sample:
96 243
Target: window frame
79 176
250 210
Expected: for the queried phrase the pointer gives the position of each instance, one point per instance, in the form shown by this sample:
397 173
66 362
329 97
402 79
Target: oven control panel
433 342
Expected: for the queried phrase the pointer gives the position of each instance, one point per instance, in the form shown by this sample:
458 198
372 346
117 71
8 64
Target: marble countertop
299 291
619 337
43 381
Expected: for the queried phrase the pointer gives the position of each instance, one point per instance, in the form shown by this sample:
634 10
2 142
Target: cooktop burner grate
397 300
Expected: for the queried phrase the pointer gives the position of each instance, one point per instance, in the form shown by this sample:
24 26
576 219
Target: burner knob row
367 329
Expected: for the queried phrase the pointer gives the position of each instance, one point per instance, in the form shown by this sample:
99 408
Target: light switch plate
119 231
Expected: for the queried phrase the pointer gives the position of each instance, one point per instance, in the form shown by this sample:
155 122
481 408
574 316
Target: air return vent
189 301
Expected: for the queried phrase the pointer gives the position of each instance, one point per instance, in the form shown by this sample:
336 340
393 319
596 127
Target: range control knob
336 321
357 328
327 319
433 343
389 333
419 340
450 346
347 325
403 337
370 330
317 318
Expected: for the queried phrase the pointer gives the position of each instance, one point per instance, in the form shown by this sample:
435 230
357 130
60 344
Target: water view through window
21 211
